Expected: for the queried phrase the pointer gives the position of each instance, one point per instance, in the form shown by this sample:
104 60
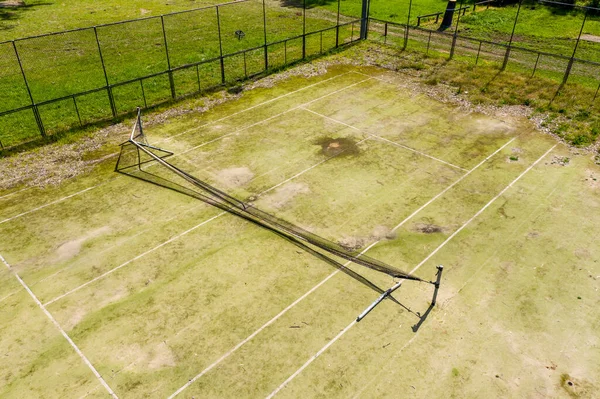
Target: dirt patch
356 243
590 38
592 179
428 228
575 387
235 177
161 357
331 147
560 160
284 194
71 248
75 318
12 3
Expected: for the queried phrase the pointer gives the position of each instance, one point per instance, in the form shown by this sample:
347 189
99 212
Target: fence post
337 26
36 112
455 35
385 33
407 25
303 29
478 52
265 34
171 81
428 44
507 54
595 95
111 99
570 65
364 19
220 46
536 64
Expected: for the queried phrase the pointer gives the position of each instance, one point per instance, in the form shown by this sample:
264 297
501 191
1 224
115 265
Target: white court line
375 136
53 202
64 334
13 193
178 236
193 148
309 361
256 106
483 264
273 117
268 323
133 259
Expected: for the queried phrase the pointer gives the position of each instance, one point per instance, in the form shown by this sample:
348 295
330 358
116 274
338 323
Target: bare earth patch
234 177
590 38
428 228
71 248
286 193
593 179
379 233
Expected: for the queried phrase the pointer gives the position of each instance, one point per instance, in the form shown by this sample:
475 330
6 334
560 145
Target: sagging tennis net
137 151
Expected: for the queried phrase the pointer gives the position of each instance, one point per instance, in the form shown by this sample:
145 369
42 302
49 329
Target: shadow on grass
10 13
136 172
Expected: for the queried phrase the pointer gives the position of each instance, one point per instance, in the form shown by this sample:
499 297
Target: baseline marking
273 117
64 334
256 106
309 361
375 136
284 311
170 137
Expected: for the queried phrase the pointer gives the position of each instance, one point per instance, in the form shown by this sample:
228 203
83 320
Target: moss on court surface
157 288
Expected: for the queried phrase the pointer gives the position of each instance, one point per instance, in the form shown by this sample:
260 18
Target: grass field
135 57
116 285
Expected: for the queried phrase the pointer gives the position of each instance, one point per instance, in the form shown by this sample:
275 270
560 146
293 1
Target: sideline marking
272 117
309 361
178 236
392 357
64 334
13 193
132 259
268 323
375 136
53 202
166 139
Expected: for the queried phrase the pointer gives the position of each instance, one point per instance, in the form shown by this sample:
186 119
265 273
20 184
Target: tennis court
146 292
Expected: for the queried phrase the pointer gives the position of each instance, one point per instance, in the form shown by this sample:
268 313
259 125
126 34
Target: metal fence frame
108 87
366 25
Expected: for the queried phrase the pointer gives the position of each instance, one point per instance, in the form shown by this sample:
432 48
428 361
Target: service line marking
377 137
57 325
313 289
178 236
170 137
331 342
241 129
256 106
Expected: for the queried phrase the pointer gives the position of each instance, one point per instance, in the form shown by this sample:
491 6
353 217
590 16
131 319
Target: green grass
70 63
58 66
508 304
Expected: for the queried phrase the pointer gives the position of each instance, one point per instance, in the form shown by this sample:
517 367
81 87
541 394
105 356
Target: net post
440 269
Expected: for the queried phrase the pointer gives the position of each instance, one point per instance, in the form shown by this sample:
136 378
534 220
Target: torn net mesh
143 161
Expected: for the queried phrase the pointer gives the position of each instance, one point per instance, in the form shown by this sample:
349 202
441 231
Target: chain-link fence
565 48
60 81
